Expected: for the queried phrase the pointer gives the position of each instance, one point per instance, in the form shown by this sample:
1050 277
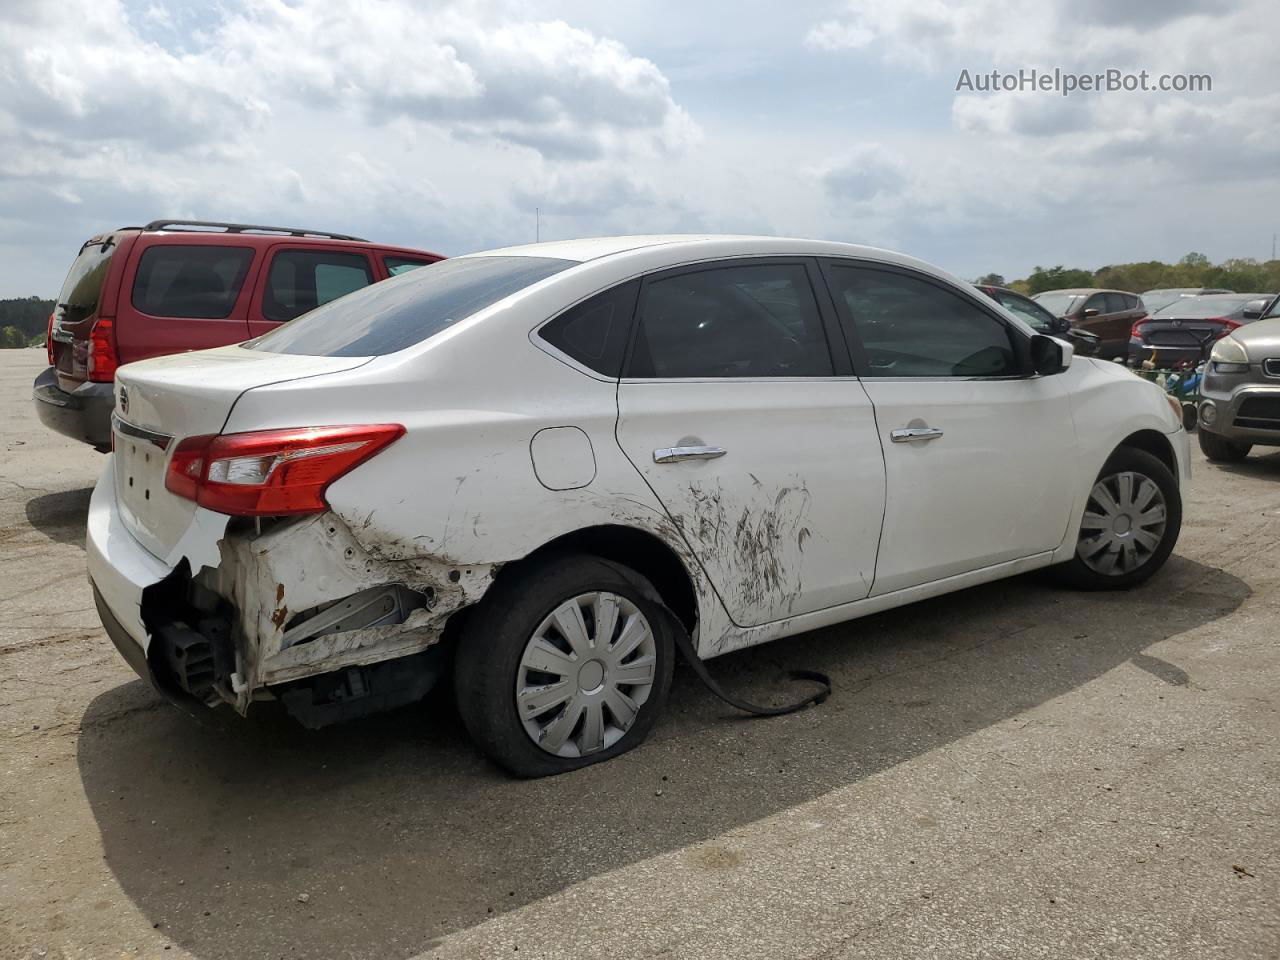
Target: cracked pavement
1013 771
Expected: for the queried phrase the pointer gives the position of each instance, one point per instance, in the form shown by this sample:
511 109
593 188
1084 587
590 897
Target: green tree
1056 278
991 280
11 336
1197 261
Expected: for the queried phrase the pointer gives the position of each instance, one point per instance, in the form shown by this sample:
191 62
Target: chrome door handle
676 454
914 434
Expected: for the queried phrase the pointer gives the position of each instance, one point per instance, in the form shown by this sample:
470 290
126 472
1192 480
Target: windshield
80 291
1035 315
407 309
1059 304
1194 308
1275 309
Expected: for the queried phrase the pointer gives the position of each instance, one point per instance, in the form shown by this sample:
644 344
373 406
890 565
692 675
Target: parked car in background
174 286
1041 320
1240 395
1182 333
530 469
1108 314
1154 300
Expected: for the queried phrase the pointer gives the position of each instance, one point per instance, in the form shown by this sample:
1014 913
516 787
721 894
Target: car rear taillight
48 342
1135 332
271 473
102 351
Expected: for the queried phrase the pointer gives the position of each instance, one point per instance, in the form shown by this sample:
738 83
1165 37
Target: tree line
23 321
1194 270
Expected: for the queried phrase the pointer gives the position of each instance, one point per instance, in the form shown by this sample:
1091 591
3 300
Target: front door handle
914 434
677 454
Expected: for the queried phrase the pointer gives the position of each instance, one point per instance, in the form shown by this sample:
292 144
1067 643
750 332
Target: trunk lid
161 402
1186 334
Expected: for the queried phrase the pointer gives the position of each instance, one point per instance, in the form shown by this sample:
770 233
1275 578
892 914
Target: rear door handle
677 454
914 434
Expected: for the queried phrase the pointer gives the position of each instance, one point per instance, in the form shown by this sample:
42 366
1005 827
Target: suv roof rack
201 225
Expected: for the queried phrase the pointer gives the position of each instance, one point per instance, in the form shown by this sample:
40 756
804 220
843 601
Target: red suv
174 286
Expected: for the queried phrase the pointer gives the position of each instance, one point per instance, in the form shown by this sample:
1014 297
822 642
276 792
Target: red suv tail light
272 472
102 351
48 342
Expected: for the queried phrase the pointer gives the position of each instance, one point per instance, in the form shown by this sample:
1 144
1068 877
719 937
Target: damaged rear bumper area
294 609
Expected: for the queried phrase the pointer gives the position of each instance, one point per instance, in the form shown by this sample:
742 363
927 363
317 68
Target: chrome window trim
124 428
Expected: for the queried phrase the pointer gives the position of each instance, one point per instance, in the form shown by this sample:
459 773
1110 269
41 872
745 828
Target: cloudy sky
445 124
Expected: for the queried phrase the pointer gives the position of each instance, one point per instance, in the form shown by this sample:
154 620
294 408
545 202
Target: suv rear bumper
84 414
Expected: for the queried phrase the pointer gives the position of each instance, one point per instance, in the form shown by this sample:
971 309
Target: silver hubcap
585 673
1123 524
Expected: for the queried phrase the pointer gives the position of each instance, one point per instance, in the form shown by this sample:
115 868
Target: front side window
1097 302
910 327
301 280
756 320
398 265
404 310
1036 316
190 281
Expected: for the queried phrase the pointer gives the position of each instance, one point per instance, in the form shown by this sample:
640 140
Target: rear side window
1117 303
83 286
909 327
185 280
404 310
595 331
301 280
398 265
757 320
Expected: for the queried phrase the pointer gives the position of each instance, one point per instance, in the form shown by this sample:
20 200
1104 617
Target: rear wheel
1130 525
1221 450
564 665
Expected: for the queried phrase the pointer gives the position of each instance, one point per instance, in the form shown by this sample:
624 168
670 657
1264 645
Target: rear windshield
1196 307
79 295
1059 304
407 309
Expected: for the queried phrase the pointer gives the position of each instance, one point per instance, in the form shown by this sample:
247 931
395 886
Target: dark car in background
1107 314
175 286
1155 300
1182 333
1040 319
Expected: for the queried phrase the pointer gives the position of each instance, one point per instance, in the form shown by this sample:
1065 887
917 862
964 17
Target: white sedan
526 470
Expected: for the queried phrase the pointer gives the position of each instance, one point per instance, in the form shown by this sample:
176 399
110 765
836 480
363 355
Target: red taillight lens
272 472
1135 332
102 351
48 342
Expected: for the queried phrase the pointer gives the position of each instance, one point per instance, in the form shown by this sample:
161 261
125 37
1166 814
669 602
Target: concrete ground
1013 771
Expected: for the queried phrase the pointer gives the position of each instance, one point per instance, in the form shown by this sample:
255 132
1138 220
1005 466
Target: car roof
257 237
696 247
1083 290
1231 296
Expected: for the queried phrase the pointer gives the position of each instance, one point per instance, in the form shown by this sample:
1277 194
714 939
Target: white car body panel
470 488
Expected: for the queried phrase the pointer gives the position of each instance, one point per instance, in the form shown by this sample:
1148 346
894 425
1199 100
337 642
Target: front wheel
1130 525
1221 450
564 665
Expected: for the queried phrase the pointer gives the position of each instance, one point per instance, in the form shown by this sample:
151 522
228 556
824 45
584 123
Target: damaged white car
524 472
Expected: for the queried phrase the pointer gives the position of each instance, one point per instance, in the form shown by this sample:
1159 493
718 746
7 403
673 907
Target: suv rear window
410 308
80 291
190 281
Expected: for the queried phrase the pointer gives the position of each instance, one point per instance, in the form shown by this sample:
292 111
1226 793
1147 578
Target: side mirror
1049 356
1253 309
1090 312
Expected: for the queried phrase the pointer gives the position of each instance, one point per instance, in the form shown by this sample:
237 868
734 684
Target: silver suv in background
1241 390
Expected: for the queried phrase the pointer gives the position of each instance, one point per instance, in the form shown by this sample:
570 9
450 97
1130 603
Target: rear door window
404 310
756 321
398 265
1117 303
298 281
190 281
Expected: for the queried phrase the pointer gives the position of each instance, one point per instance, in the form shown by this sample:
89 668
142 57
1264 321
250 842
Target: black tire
1189 417
494 639
1221 450
1077 573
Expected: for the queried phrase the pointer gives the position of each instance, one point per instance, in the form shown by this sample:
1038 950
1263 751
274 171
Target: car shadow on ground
1262 462
60 516
253 837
